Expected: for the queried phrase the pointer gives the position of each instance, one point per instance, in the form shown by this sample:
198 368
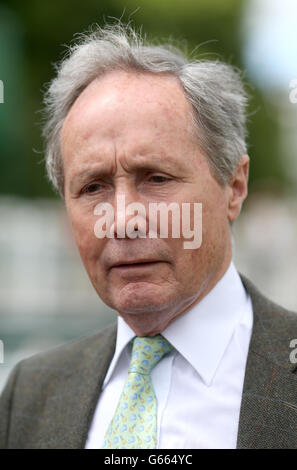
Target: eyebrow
87 175
141 165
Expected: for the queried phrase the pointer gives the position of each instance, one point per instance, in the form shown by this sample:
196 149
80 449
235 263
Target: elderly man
198 358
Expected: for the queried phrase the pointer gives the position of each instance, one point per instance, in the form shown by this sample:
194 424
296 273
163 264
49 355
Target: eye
158 179
91 188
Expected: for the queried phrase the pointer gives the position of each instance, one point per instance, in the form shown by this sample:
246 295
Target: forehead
119 87
121 100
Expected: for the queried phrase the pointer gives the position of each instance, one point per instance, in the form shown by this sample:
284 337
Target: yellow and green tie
134 425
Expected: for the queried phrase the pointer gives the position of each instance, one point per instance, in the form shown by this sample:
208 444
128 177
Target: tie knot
147 352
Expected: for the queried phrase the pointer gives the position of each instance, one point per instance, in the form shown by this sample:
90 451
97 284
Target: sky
270 29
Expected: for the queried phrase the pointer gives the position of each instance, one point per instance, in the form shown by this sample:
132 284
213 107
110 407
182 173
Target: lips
134 263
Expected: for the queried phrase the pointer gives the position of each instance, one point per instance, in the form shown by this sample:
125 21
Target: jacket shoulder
76 351
274 327
64 383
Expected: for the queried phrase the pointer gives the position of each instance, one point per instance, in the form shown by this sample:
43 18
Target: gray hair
214 89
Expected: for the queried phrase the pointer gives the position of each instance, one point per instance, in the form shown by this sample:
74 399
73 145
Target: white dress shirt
199 385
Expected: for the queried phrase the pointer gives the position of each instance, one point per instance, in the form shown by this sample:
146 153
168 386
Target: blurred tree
14 153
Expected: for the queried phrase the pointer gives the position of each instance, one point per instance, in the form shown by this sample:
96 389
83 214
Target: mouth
134 264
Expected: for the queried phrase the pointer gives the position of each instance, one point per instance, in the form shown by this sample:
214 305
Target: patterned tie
134 425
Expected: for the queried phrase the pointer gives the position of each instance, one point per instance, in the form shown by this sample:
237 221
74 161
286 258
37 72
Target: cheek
215 212
195 264
214 229
83 223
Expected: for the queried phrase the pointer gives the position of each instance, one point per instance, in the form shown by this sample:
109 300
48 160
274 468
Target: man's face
131 134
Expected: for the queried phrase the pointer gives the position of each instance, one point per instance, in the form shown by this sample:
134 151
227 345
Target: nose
130 215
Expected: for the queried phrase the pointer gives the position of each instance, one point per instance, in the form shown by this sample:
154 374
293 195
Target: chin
134 307
141 300
138 297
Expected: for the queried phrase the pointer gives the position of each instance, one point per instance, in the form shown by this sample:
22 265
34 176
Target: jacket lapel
268 415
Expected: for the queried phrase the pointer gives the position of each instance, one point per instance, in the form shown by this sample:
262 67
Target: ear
238 188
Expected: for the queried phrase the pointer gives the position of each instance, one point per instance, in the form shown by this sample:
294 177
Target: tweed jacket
50 398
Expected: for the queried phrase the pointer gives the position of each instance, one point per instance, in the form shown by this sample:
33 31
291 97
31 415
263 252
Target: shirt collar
201 335
124 335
